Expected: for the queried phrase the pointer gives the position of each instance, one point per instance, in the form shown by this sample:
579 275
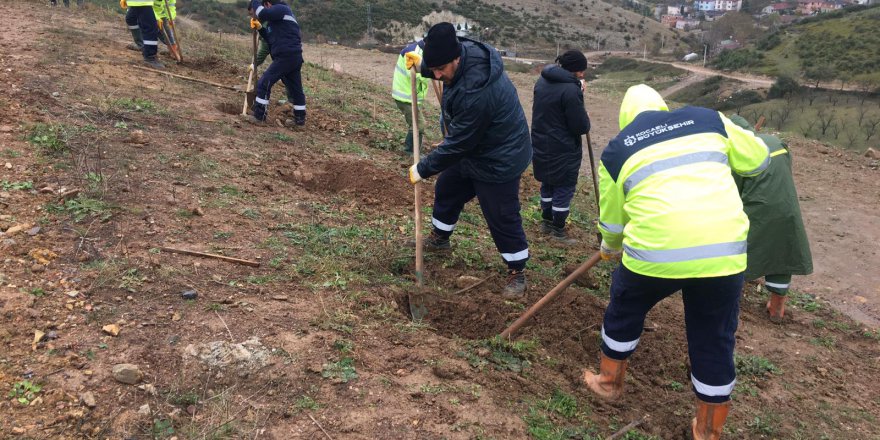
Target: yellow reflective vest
401 87
136 3
159 9
667 196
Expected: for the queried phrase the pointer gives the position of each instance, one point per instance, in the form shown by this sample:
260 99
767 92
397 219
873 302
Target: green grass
751 366
50 139
341 371
7 185
82 208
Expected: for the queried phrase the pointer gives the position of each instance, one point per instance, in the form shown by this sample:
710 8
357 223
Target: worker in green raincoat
777 242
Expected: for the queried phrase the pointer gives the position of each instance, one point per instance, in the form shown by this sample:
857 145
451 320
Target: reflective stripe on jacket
159 9
402 83
138 3
667 195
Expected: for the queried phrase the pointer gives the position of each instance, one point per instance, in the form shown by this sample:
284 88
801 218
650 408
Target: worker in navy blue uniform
485 150
558 122
140 16
278 27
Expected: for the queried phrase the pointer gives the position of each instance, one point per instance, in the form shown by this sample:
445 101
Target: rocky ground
107 334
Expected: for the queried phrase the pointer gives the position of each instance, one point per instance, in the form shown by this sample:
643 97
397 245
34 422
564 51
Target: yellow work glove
414 174
413 59
123 4
159 23
255 24
608 254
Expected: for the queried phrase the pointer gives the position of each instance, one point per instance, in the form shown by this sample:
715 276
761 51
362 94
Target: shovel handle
510 331
417 211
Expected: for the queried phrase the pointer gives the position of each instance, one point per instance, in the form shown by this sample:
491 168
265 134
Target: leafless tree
825 118
870 127
862 112
783 114
839 126
807 127
833 98
851 138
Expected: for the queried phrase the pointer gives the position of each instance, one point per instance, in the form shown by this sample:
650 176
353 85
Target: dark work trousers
143 17
288 69
711 309
556 203
499 203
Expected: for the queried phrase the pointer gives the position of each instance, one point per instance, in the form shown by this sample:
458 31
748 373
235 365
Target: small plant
754 366
306 402
214 307
342 371
343 345
37 291
25 392
563 404
162 428
48 138
222 235
282 137
7 185
676 386
10 153
82 207
824 341
135 104
184 399
94 180
250 213
131 280
761 426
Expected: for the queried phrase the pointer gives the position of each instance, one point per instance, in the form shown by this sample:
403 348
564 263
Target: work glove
608 254
159 23
255 24
414 174
413 59
123 4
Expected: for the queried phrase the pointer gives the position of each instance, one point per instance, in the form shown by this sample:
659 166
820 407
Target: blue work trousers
287 69
556 203
499 203
711 309
143 17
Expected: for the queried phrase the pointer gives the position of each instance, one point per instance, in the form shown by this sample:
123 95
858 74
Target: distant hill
533 28
842 45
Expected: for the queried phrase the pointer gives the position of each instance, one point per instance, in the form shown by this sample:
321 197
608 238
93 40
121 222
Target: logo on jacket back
631 140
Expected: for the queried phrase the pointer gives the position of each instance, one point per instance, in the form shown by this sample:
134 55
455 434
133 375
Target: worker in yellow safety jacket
670 207
401 90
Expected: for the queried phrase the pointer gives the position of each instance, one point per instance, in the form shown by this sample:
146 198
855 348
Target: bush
737 59
784 86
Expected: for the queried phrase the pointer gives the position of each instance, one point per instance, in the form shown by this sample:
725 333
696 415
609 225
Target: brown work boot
776 307
608 384
434 242
561 236
710 419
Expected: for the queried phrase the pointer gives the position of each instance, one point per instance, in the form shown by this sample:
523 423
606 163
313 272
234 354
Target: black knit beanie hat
572 61
441 45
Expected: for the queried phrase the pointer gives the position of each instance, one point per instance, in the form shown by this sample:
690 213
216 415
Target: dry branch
215 256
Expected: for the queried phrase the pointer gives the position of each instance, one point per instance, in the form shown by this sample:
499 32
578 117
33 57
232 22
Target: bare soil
315 342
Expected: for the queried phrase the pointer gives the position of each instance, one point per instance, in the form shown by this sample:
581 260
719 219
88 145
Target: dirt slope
162 162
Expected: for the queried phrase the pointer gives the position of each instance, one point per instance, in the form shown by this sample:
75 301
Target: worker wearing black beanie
485 150
558 122
441 45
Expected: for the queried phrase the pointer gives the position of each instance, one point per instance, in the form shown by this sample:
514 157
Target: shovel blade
418 306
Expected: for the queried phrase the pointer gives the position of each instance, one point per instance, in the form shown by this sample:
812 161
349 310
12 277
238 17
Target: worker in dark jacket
485 150
558 122
777 244
282 33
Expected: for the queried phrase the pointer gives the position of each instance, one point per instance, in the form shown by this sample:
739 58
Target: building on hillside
669 20
866 2
728 45
781 8
676 10
717 5
687 24
810 7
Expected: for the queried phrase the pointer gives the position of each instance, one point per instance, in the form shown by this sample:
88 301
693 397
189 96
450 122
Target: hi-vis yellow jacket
666 192
401 87
159 9
136 3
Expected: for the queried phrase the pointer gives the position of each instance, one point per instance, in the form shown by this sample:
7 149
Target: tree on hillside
783 87
782 115
825 118
818 74
870 127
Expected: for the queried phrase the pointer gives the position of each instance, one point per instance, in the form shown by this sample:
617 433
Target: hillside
843 45
105 334
532 28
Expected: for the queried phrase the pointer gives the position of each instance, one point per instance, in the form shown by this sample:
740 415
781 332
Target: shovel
418 307
595 182
171 34
250 93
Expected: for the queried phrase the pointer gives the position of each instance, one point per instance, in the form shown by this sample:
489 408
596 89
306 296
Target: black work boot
516 284
138 44
546 226
434 242
153 62
560 236
299 117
